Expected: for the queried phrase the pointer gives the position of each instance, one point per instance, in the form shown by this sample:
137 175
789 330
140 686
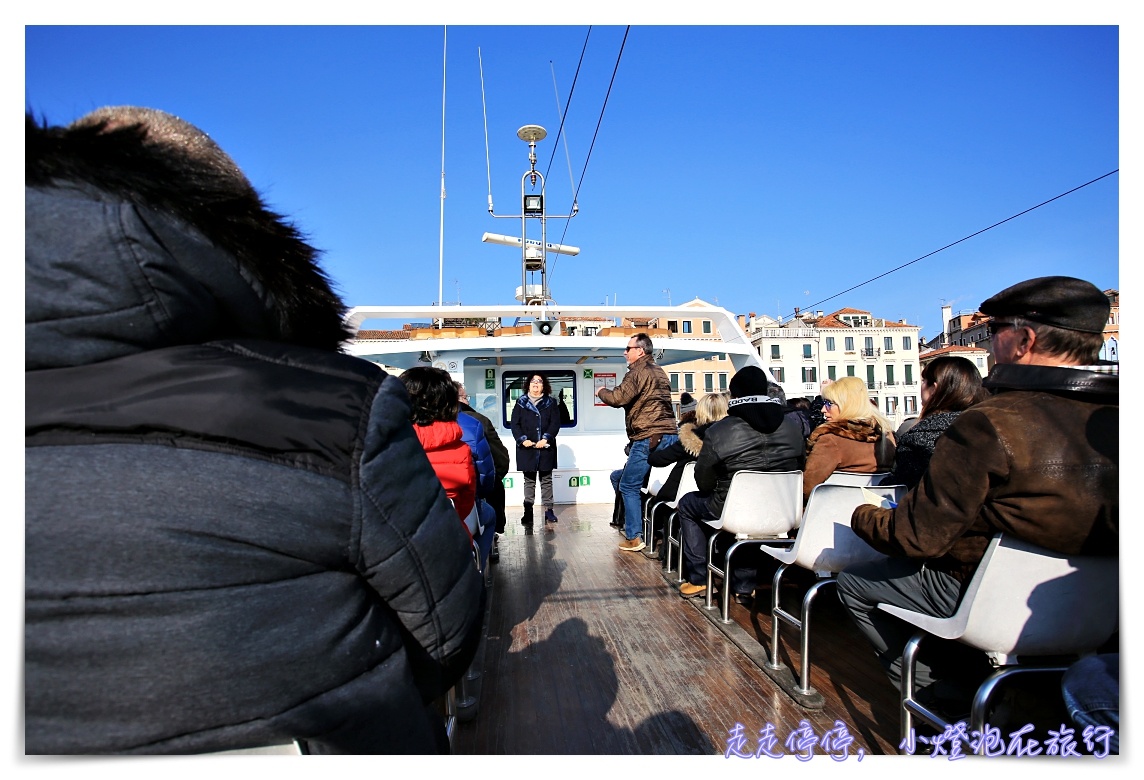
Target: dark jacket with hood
232 536
679 454
756 435
1039 460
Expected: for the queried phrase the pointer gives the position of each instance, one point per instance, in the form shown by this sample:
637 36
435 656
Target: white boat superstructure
491 349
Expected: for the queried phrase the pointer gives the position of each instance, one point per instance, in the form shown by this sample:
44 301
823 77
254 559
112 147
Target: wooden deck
592 651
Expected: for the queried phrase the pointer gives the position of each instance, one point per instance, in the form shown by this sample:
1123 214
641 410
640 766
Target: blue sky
762 167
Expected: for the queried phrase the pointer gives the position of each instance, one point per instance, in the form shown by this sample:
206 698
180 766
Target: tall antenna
441 249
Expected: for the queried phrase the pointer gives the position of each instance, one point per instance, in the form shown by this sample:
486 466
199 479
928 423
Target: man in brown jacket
645 396
1038 460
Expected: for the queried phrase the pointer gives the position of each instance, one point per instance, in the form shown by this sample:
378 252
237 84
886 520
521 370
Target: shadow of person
561 691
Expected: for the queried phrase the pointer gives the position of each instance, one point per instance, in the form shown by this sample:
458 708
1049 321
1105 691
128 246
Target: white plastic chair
686 485
1023 600
855 478
656 477
826 545
762 507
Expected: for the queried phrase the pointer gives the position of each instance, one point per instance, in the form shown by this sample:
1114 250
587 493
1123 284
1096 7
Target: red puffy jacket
453 462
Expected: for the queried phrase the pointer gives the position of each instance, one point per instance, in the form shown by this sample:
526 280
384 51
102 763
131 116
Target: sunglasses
996 327
827 404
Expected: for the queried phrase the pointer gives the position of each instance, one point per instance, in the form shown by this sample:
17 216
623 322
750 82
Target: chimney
796 311
819 314
946 316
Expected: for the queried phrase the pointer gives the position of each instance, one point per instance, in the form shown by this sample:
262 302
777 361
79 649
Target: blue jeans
630 482
1091 689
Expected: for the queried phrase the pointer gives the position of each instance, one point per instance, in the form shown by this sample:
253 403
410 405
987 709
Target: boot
549 515
527 519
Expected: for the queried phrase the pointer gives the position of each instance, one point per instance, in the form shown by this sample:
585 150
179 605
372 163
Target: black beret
1060 301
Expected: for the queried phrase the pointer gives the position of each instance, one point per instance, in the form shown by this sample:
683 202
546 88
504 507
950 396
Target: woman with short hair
535 422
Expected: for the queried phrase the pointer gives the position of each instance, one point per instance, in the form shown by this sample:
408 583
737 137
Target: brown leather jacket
645 395
1039 460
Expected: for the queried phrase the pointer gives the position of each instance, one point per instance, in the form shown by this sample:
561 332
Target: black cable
966 238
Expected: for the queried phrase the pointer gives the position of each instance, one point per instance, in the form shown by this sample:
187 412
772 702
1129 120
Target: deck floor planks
591 651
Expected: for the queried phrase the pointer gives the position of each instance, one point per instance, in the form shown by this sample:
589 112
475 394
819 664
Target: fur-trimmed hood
691 437
137 237
857 430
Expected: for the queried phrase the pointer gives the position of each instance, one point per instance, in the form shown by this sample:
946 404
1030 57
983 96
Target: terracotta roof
383 335
949 351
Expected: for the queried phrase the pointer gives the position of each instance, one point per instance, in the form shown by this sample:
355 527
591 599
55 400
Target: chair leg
804 630
777 616
711 569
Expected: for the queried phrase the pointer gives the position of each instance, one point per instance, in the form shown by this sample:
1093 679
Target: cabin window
687 326
689 382
909 374
722 383
674 382
514 384
849 343
829 343
779 374
706 326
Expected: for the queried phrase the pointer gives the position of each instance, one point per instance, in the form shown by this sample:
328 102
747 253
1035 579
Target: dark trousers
695 531
947 672
496 500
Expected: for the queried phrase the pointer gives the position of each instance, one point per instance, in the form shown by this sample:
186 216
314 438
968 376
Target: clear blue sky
763 167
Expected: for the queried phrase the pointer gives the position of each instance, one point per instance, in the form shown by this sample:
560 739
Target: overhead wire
961 240
596 132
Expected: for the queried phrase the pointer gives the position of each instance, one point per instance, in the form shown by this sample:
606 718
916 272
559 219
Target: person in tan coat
847 440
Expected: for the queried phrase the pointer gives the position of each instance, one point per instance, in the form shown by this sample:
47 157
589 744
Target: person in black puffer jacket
756 435
232 536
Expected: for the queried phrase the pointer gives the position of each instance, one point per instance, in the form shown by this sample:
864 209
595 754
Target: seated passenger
710 409
949 386
500 456
232 537
1009 464
754 436
848 440
435 404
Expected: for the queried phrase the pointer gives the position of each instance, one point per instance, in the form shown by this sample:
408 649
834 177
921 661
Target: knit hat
751 380
687 403
1059 301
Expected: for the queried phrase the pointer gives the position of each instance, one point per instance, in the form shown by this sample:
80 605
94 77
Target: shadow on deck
591 651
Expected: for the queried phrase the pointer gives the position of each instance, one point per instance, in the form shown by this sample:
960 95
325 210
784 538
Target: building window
709 383
674 383
832 373
806 353
981 362
870 344
829 343
889 375
888 343
810 374
689 382
849 343
687 326
907 343
672 326
706 326
775 355
892 405
722 383
870 377
850 371
909 374
779 374
911 404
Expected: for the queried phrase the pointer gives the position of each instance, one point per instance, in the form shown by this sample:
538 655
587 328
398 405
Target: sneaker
687 590
633 545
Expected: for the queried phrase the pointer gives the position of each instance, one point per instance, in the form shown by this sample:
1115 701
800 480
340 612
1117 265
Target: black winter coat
231 539
533 422
680 453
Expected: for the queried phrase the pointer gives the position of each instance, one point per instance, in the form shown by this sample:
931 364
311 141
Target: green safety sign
490 384
507 482
579 481
490 373
587 373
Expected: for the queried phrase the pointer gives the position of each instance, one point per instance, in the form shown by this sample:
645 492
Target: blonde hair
711 407
849 394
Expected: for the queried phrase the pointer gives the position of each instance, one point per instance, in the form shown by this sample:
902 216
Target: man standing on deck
645 396
1039 460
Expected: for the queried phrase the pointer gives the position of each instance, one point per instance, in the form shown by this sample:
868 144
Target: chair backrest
855 478
826 544
763 503
1026 600
656 477
686 483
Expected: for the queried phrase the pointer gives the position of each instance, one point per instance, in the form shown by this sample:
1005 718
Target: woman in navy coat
535 423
